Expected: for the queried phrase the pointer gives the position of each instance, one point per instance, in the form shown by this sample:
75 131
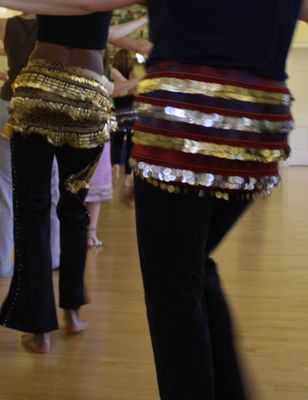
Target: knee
71 210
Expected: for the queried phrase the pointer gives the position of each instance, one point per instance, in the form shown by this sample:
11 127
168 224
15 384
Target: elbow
112 37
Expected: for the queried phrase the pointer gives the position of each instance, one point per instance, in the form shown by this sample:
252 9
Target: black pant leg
229 384
30 304
172 232
117 140
129 146
74 220
225 215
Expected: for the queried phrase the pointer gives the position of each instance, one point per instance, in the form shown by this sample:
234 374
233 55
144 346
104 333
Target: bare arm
2 27
124 88
119 31
136 45
2 33
116 75
62 7
304 11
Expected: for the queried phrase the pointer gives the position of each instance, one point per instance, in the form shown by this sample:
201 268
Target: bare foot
92 240
73 323
37 343
115 173
129 180
128 196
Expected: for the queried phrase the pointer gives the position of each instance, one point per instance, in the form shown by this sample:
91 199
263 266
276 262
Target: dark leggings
188 316
117 141
30 304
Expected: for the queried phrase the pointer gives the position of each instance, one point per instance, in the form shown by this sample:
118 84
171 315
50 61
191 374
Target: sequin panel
213 120
210 89
67 105
263 185
209 149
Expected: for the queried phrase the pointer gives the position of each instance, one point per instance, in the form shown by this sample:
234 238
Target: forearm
124 88
119 31
138 46
116 76
62 7
52 7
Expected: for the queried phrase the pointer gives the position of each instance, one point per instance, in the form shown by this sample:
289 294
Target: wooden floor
264 267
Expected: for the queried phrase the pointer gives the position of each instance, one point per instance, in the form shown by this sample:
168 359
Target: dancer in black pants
30 305
60 108
126 116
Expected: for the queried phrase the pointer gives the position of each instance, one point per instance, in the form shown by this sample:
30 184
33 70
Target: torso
204 115
89 59
78 41
224 33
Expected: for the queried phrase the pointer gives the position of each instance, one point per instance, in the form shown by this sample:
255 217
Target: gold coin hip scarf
219 131
65 104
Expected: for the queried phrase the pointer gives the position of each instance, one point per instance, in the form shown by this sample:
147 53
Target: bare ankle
73 322
37 343
92 240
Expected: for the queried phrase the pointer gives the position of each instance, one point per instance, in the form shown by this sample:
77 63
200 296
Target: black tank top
254 35
84 32
19 40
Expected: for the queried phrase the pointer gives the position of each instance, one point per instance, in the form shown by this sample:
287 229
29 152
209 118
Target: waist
64 103
83 58
261 65
207 72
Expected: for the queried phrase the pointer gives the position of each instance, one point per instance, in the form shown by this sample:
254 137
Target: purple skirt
101 181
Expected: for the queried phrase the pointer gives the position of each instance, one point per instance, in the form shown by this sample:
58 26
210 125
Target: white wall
298 83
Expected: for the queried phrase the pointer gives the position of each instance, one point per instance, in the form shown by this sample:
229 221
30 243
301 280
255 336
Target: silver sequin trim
206 180
213 120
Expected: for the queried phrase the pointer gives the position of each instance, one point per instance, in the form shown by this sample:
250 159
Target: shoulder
13 21
12 24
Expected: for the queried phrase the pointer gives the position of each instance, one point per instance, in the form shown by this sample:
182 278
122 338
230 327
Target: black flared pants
188 316
30 303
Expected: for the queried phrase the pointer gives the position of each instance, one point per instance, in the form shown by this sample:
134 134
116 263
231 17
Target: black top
254 35
19 40
85 32
123 102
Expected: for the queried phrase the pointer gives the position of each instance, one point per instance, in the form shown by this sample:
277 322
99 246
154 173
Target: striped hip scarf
220 131
125 113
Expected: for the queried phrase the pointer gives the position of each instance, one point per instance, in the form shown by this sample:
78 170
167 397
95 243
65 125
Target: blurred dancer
126 116
18 36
